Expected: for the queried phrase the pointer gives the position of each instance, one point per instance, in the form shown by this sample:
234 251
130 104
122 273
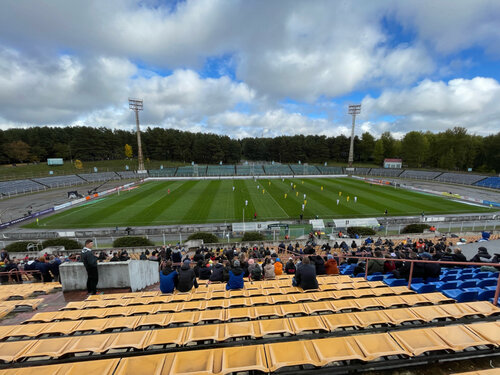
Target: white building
393 163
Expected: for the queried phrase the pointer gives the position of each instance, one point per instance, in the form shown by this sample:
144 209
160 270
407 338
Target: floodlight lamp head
135 104
354 109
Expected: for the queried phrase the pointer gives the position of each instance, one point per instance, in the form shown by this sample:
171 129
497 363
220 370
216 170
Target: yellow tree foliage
78 164
128 151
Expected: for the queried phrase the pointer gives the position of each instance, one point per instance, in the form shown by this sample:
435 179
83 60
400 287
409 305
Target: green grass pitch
209 201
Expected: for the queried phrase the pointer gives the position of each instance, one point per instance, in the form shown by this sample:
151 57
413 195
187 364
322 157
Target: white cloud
438 105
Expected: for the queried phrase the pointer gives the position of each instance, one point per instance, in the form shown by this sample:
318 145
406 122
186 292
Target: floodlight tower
136 105
354 109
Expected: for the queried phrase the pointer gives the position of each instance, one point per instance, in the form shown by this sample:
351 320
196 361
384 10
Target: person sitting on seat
187 278
235 277
168 278
305 277
331 267
217 271
269 269
255 270
290 267
278 267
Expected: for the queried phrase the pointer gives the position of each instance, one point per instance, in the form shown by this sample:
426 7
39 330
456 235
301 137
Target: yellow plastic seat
339 294
457 310
317 307
88 344
361 285
256 301
53 348
459 337
365 303
241 313
190 362
149 364
273 326
321 296
129 322
391 301
95 313
418 341
328 287
93 325
43 317
240 359
143 309
184 317
369 318
398 316
200 334
5 331
292 309
217 304
156 320
267 311
287 354
337 349
169 336
429 313
378 345
344 320
489 331
346 304
169 307
302 297
401 290
359 293
308 324
11 350
283 298
212 315
128 340
437 298
103 366
415 299
484 308
193 305
75 305
237 330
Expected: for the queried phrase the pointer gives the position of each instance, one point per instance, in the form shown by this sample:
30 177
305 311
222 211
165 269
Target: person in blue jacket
235 277
168 278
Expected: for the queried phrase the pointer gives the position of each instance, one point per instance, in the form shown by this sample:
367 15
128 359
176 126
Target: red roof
393 160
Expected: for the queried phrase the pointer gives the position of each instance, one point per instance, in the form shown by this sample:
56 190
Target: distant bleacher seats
165 172
420 175
220 170
191 171
460 178
304 169
361 170
99 177
20 187
130 174
490 182
249 170
277 169
385 172
58 181
329 170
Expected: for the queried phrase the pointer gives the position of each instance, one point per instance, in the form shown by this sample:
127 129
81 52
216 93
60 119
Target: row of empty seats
265 357
57 181
304 169
20 187
207 301
21 305
99 177
22 291
184 335
198 312
459 178
420 175
386 172
490 182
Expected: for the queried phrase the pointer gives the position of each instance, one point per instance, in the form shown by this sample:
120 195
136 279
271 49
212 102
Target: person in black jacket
90 263
319 263
217 271
186 278
305 277
205 271
482 256
458 256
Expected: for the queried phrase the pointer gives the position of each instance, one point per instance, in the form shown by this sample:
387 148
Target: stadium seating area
277 169
130 174
59 181
490 182
20 187
99 177
385 172
303 169
165 172
270 326
191 171
249 170
329 170
459 178
221 170
362 171
419 175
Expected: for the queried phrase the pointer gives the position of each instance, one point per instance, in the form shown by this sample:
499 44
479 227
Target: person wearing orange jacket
331 267
278 267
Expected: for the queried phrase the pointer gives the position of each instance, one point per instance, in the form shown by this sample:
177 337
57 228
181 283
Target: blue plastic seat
487 282
375 278
417 280
466 284
467 276
432 280
460 295
377 273
447 285
423 288
396 282
448 278
486 295
482 275
493 274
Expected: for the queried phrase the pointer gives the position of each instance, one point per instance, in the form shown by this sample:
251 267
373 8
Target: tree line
452 149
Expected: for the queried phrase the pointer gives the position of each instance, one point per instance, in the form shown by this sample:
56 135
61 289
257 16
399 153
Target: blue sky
247 68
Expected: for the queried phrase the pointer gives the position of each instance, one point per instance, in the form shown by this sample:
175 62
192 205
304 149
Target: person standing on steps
90 262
